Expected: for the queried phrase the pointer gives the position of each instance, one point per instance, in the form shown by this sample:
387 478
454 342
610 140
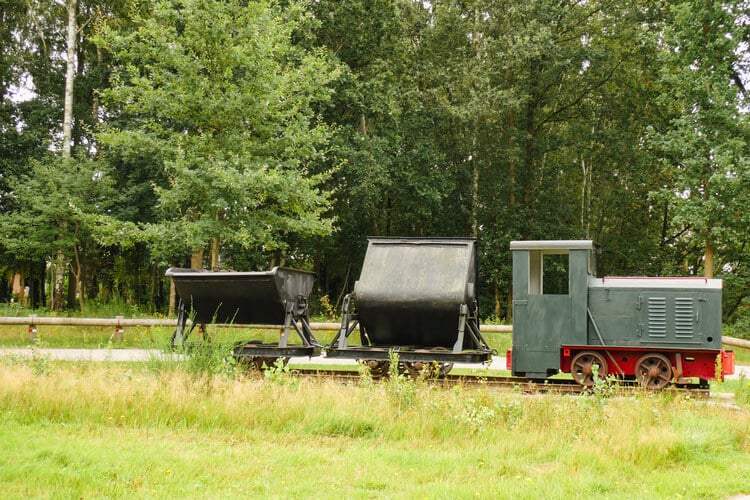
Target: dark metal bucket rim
180 271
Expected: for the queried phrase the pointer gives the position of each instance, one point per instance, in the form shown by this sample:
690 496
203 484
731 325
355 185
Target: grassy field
166 429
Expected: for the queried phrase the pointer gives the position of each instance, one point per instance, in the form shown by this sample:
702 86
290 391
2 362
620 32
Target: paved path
498 362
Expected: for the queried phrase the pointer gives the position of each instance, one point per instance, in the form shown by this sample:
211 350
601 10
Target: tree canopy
229 104
286 131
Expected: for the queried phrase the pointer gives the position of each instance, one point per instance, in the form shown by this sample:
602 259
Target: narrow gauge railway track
510 383
523 385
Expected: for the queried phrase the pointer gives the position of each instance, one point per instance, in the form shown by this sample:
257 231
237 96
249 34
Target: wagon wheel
268 362
654 371
444 369
431 369
582 367
441 368
413 368
404 368
377 368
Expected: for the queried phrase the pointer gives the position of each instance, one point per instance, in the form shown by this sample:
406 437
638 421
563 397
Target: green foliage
600 392
365 374
225 103
39 362
703 148
57 208
477 412
208 359
280 374
740 328
742 392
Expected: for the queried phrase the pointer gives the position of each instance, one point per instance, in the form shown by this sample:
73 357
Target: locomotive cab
550 297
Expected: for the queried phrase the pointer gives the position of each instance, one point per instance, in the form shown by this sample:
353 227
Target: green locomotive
654 330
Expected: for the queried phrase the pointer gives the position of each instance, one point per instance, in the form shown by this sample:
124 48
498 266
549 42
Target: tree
36 72
225 102
393 180
57 205
529 95
703 149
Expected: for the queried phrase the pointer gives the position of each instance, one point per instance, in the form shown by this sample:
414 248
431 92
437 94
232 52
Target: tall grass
145 337
88 430
89 337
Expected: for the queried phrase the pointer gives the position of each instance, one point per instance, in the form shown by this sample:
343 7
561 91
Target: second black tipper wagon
416 297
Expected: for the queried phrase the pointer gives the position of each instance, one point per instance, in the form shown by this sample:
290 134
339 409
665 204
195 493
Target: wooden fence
120 322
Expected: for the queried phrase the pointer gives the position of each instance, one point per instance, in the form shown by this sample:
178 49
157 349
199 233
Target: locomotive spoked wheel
654 371
582 367
377 368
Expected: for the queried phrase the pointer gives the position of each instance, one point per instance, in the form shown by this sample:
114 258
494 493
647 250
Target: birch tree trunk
70 72
61 264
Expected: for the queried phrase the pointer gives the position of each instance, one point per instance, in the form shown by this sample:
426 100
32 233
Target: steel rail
522 385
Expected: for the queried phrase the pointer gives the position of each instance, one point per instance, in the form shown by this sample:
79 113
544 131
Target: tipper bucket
243 298
416 294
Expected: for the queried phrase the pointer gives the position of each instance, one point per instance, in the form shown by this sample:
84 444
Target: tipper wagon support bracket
469 322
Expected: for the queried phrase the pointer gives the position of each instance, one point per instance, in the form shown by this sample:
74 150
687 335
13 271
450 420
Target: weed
597 396
606 387
208 358
329 310
400 389
511 411
742 391
40 363
280 374
475 413
365 374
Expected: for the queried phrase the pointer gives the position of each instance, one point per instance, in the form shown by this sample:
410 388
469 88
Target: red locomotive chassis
624 361
685 364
